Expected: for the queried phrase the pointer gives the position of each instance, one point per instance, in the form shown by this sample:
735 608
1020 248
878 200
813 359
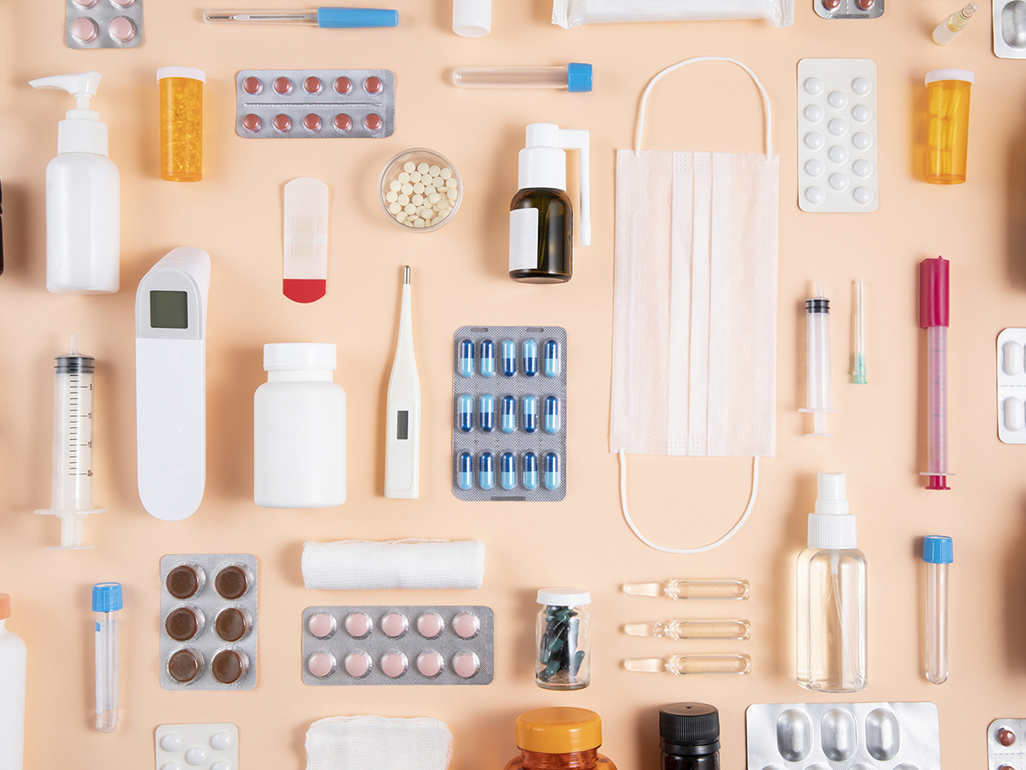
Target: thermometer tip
406 274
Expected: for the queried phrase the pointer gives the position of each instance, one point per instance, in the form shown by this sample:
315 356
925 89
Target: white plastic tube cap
299 355
471 18
564 597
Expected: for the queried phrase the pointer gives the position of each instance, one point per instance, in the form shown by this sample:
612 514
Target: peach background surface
459 277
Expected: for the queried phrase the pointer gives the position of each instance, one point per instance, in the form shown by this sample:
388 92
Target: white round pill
418 188
418 222
863 195
395 186
839 181
196 756
409 166
452 195
815 195
222 765
171 742
403 199
862 140
813 140
434 197
171 766
394 208
417 200
410 209
451 183
403 178
400 217
391 196
439 182
814 167
837 99
838 154
220 741
407 188
838 127
861 113
814 113
862 167
861 86
814 86
415 176
434 170
409 222
1013 410
422 167
445 173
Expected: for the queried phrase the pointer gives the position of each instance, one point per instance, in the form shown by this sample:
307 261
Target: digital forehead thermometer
170 383
402 421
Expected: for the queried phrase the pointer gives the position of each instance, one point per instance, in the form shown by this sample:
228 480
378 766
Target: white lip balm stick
402 421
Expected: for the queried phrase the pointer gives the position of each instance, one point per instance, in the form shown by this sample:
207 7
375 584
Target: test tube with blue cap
575 77
938 553
106 604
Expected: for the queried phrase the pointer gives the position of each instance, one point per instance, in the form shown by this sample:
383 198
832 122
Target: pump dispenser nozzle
81 130
82 86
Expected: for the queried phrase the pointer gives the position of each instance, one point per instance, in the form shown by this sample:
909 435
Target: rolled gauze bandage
354 565
378 743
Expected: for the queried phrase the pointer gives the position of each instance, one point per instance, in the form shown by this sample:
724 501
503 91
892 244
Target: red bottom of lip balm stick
304 289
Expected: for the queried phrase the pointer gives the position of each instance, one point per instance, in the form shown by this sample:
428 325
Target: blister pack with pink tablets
103 23
385 645
849 9
314 104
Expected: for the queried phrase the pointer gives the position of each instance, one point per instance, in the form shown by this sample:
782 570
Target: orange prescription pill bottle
181 123
947 132
559 738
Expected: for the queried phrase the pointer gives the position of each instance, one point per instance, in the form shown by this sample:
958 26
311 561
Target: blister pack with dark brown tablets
208 621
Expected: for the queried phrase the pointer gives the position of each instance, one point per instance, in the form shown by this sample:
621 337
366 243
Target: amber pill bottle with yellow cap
559 739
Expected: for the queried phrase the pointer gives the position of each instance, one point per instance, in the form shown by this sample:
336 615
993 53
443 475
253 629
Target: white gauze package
354 565
378 743
574 13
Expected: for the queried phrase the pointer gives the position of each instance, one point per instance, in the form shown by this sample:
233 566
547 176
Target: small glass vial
953 25
689 737
559 738
563 633
181 123
947 133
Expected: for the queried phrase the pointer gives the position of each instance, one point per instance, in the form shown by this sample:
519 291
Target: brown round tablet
231 624
1005 737
231 582
228 666
183 581
182 624
184 666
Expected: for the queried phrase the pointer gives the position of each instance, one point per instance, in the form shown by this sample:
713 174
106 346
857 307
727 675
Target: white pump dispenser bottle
83 199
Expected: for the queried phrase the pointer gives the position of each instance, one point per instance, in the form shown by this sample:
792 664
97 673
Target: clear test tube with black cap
817 361
689 737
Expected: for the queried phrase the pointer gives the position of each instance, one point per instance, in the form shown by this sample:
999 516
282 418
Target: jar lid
690 724
564 597
300 355
949 74
559 730
181 72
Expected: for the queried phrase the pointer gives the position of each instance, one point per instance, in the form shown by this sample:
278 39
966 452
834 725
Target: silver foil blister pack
849 9
1009 28
208 621
103 23
1006 746
515 437
398 645
315 104
853 736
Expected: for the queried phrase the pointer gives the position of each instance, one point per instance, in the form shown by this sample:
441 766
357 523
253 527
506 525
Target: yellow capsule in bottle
181 123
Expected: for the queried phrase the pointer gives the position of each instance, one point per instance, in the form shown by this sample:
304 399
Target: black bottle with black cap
689 736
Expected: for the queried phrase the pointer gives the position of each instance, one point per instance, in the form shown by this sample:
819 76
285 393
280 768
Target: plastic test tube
181 123
858 368
938 553
934 317
106 603
574 77
817 360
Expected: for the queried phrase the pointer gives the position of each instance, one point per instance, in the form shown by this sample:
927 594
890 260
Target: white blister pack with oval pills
1011 386
197 747
853 736
837 135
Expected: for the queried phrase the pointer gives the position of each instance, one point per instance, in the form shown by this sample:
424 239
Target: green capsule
555 645
551 670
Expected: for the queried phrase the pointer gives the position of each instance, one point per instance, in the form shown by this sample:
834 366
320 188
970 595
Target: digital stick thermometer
170 383
402 421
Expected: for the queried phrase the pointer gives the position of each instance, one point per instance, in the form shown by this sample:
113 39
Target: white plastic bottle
12 693
83 199
299 429
831 596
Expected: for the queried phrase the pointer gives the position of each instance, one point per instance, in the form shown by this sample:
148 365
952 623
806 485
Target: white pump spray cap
832 526
543 164
81 130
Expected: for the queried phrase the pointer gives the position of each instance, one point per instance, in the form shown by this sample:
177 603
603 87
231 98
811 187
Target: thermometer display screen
402 425
169 310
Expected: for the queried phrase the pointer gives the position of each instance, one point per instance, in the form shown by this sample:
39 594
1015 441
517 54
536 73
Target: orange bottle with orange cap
560 738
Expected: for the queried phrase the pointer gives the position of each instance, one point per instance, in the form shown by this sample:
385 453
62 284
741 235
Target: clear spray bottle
831 596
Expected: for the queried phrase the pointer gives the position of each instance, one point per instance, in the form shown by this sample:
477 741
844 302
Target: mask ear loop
734 530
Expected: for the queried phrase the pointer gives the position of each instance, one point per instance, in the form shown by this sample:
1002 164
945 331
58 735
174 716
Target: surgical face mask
694 305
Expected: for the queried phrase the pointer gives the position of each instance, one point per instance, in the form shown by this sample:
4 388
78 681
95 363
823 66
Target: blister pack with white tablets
1009 28
854 736
314 104
1006 744
1011 386
837 134
509 413
849 9
200 746
103 23
398 645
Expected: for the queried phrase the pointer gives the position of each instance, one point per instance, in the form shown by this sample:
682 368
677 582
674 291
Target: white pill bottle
12 692
299 429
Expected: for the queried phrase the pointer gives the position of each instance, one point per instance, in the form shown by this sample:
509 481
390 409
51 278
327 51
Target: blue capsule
465 471
552 471
508 471
465 358
486 470
486 412
509 358
465 413
508 418
552 418
530 358
552 359
487 358
530 414
530 470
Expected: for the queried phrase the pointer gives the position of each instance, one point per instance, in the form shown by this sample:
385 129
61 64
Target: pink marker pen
934 317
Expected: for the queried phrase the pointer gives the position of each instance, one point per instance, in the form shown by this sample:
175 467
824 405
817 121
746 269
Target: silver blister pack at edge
887 736
102 13
1011 386
209 602
849 9
999 755
1009 28
518 386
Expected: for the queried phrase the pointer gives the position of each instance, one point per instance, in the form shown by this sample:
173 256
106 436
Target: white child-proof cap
949 74
563 597
471 18
181 72
280 356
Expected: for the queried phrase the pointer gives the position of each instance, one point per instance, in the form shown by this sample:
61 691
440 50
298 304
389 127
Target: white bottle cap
563 597
831 526
949 74
181 72
300 355
471 18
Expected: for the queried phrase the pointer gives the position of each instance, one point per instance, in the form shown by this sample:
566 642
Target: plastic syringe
574 77
71 490
817 360
934 317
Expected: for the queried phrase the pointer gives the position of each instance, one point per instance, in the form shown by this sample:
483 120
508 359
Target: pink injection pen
934 317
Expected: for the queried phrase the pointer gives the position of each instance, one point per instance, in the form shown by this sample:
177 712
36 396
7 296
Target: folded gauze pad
354 565
378 743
